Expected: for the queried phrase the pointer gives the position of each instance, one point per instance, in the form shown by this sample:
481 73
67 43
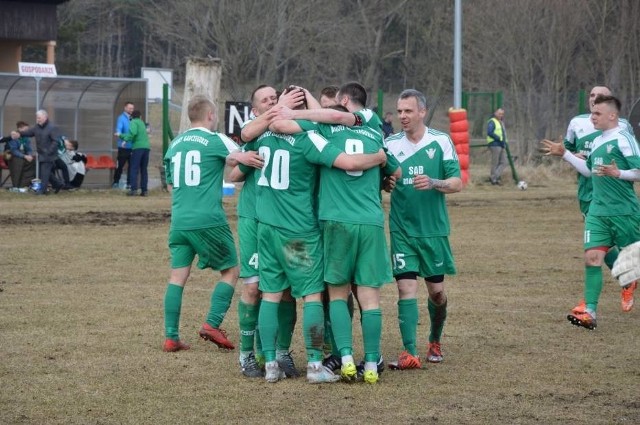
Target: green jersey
194 166
421 213
247 198
287 184
612 196
349 196
372 120
580 136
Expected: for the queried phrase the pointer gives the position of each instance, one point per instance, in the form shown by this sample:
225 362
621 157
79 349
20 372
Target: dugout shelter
85 108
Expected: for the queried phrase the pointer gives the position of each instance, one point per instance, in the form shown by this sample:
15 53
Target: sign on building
235 114
29 69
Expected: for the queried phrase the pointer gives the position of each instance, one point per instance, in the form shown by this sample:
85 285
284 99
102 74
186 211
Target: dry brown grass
81 325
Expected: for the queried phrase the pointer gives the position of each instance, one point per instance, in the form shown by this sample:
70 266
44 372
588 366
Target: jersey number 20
279 178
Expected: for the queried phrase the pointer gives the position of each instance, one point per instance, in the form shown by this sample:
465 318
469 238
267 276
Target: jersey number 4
191 168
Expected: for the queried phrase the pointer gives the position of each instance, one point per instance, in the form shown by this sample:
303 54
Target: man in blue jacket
124 147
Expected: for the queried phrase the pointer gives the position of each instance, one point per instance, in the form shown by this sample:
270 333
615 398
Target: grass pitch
82 279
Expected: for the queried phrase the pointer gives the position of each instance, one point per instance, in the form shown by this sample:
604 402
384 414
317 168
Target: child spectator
19 158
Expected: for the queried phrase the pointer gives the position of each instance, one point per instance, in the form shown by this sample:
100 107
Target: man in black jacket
47 136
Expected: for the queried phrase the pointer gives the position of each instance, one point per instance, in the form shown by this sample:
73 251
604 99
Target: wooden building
23 23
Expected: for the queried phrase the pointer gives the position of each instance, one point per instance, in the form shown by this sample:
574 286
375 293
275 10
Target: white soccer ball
522 185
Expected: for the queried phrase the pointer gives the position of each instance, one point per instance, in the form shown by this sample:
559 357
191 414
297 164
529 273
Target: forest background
539 53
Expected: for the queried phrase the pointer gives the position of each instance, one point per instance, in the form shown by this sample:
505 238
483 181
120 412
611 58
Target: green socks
287 317
313 329
268 326
247 322
437 314
592 286
371 333
611 257
408 321
172 305
220 302
341 326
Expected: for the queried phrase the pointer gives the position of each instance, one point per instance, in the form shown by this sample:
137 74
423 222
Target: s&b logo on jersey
431 153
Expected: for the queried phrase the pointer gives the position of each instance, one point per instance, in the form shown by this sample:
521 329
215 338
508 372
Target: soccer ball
522 185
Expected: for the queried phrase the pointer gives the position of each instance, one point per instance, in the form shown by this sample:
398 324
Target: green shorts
248 241
214 246
620 230
289 261
355 253
425 256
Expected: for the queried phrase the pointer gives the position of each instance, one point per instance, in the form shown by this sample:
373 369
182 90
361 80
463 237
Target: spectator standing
140 149
387 125
47 136
124 147
497 142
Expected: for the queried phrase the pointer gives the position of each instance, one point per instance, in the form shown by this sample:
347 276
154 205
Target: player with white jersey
579 138
419 223
194 166
614 214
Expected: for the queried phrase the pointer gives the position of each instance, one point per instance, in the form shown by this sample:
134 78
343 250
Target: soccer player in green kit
419 223
578 140
263 99
355 247
194 166
613 165
289 239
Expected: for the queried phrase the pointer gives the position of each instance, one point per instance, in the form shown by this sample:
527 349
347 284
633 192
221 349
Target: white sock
371 366
346 359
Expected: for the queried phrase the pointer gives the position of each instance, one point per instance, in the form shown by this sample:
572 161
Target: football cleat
285 361
434 352
580 308
406 361
172 345
215 335
348 371
586 320
273 373
332 362
627 296
360 367
318 374
370 376
250 367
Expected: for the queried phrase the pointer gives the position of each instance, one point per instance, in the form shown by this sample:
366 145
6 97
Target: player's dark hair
356 93
295 88
609 100
136 114
338 108
420 98
330 91
21 124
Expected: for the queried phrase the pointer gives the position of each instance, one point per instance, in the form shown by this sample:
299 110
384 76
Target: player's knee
250 293
438 297
594 257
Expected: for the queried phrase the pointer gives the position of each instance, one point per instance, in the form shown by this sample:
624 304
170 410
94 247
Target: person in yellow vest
497 142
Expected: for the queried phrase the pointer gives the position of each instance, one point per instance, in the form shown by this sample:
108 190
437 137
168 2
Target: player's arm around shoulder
359 162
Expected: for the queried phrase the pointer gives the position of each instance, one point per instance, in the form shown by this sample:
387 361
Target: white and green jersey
286 186
349 196
612 196
194 166
421 213
579 138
